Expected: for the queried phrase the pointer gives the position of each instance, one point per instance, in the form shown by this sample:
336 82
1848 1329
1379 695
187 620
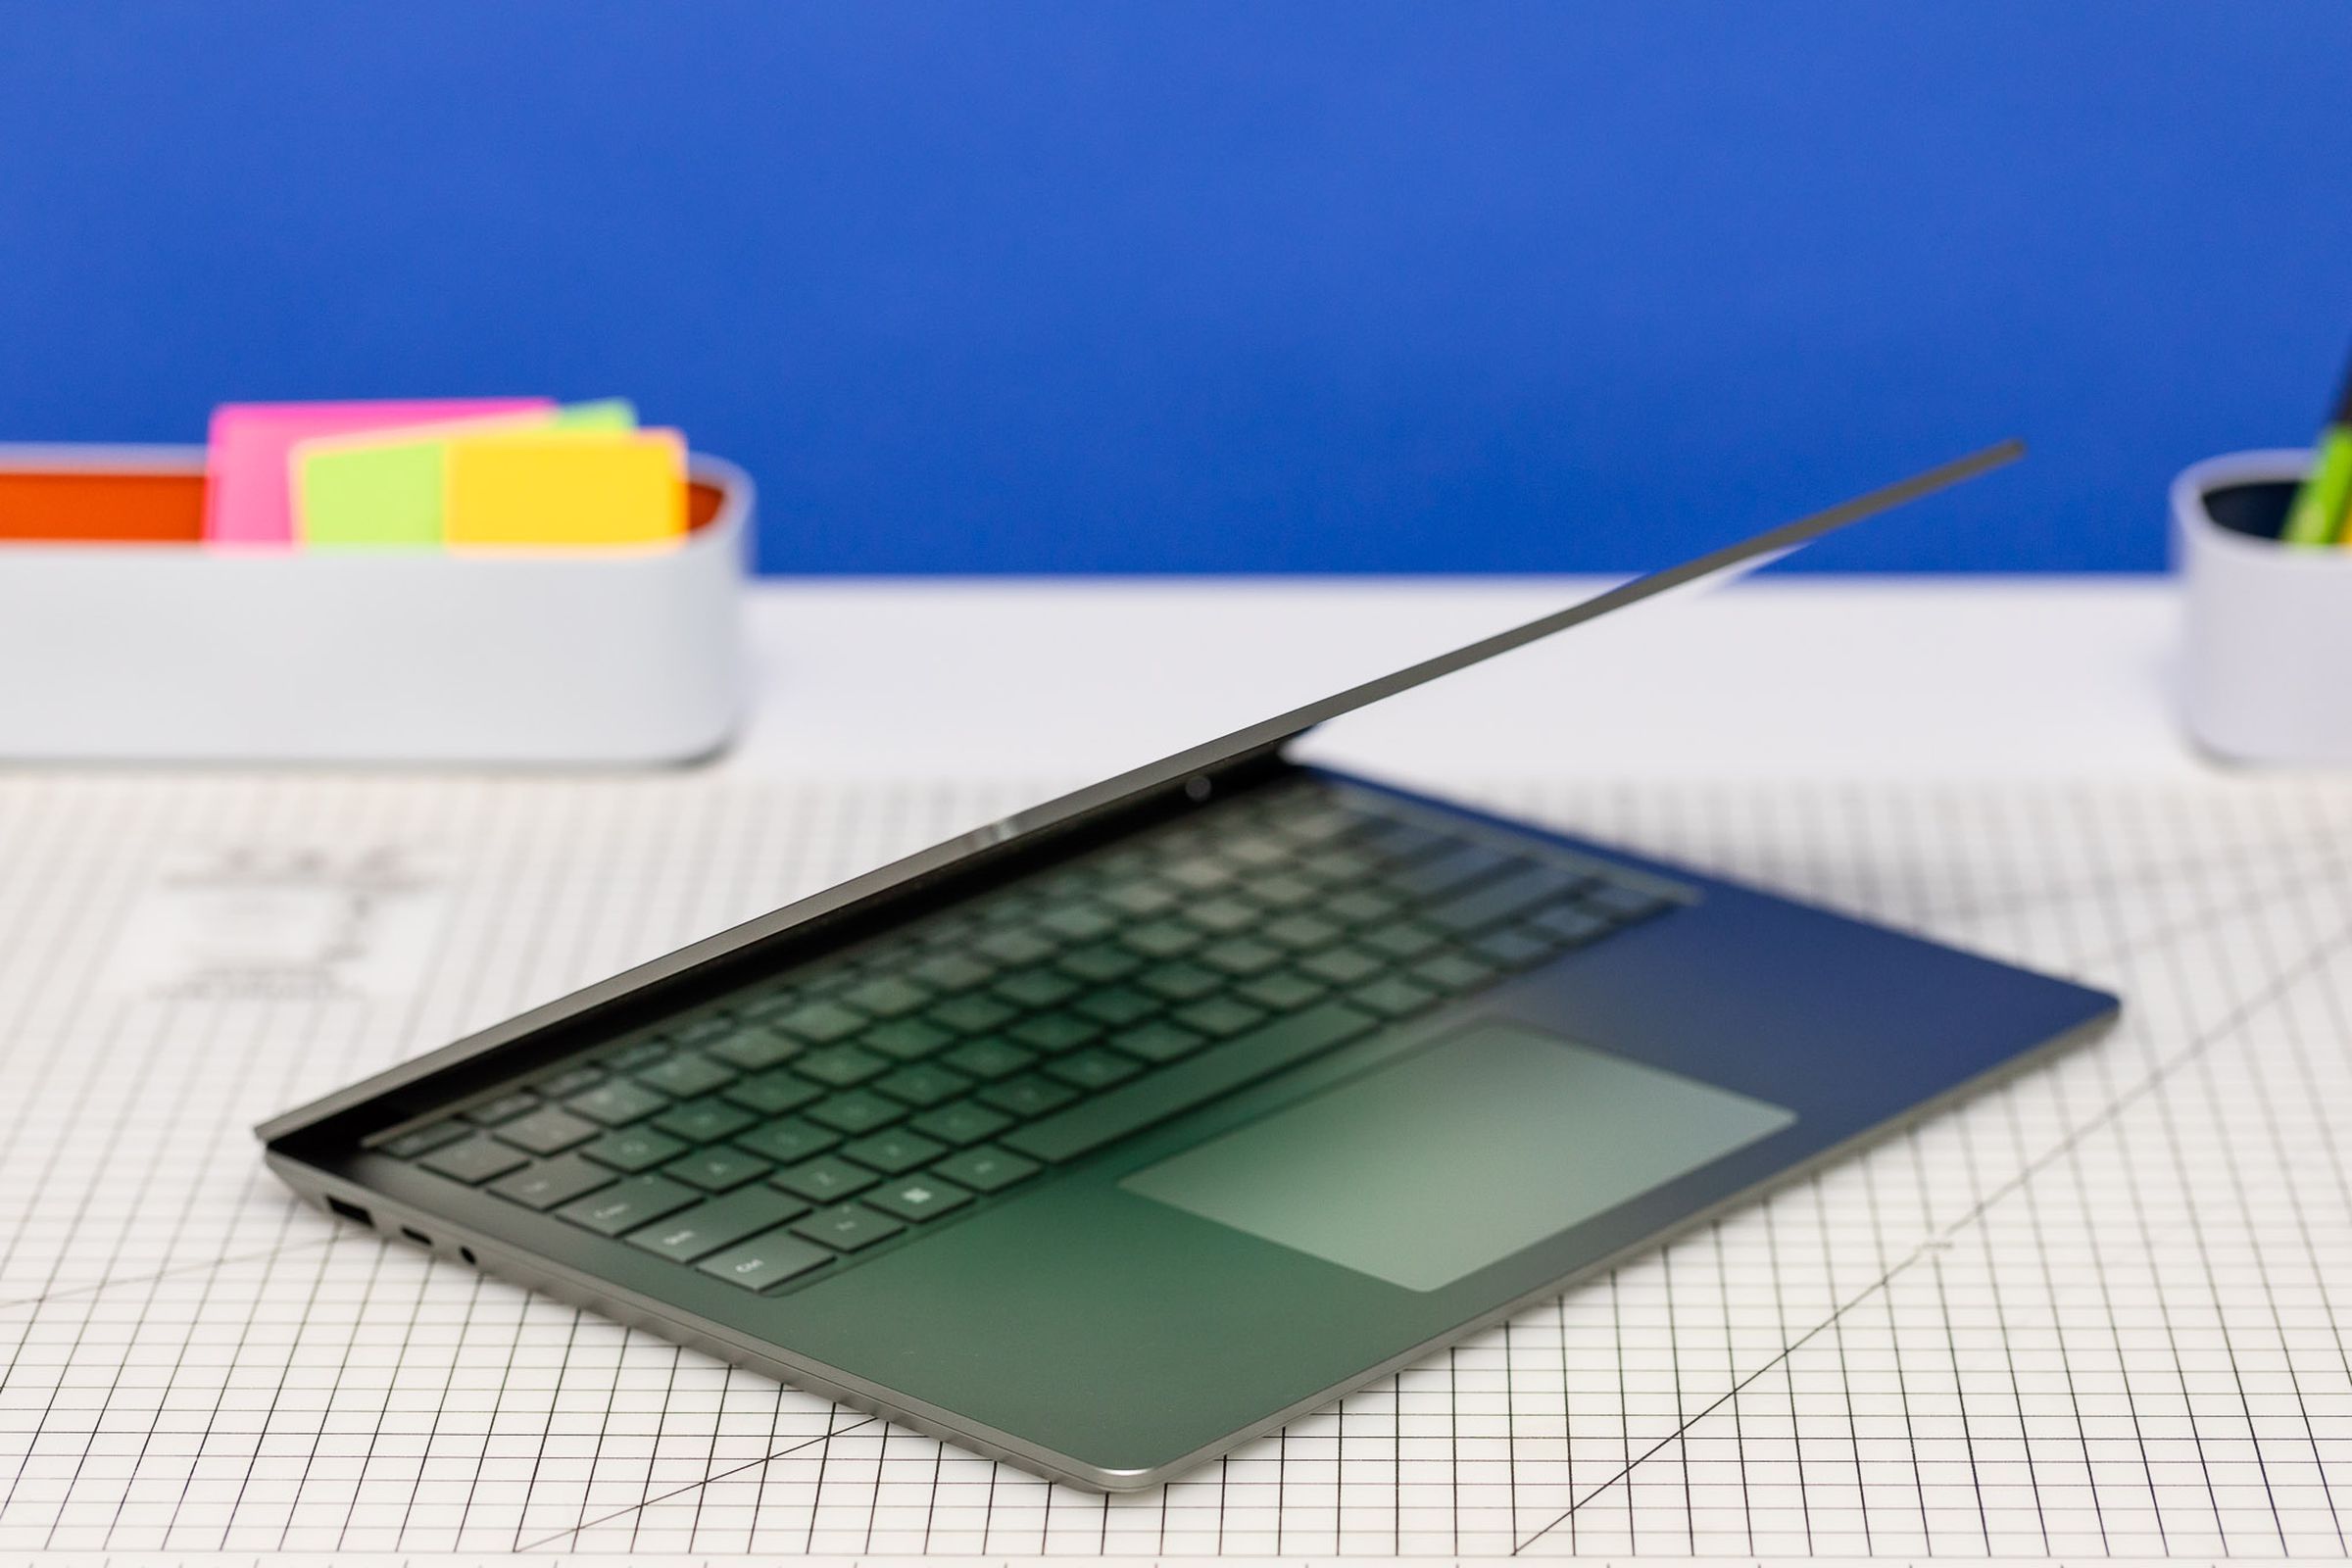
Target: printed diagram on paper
2091 1313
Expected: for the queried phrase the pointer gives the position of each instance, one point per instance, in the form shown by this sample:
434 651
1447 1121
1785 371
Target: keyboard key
1301 933
761 1009
643 1053
1035 988
1117 1004
772 1093
1283 892
788 1141
1180 982
1141 900
840 1066
857 1111
1316 825
1394 997
926 1085
972 1014
422 1140
1344 966
634 1150
1093 1069
821 1023
1220 1070
1160 1041
1201 875
1219 1016
473 1161
1239 956
686 1075
1102 962
571 1082
847 1227
1078 922
1442 875
616 1102
1402 939
506 1107
1256 850
1163 939
951 971
907 1039
1015 946
1569 924
1361 906
1339 865
1511 950
1222 918
920 1198
547 1129
1282 989
552 1182
888 997
1454 971
965 1122
1400 843
988 1058
894 1153
1029 1096
635 1201
718 1171
755 1049
765 1261
825 1179
986 1170
1494 901
721 1222
705 1121
1054 1031
1624 904
702 1031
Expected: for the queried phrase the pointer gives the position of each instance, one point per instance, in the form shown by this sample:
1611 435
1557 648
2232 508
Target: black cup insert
2259 508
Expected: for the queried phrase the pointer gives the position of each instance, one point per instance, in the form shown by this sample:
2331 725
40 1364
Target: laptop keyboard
850 1104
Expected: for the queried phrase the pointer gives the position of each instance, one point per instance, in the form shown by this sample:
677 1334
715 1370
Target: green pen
2317 514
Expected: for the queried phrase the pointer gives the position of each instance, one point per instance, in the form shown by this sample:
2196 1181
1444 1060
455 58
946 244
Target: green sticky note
388 489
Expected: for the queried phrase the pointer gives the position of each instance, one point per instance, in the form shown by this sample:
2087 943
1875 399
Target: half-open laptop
1112 1135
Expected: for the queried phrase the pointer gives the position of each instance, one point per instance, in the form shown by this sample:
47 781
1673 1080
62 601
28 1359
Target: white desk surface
1782 677
2093 1313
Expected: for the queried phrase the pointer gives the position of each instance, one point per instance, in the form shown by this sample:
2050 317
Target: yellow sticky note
556 489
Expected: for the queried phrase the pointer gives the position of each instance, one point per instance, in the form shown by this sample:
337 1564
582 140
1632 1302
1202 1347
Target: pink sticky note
248 493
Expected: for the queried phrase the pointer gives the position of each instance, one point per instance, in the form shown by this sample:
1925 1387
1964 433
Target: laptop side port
351 1211
416 1236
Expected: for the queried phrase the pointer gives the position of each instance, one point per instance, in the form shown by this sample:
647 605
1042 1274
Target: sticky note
388 489
247 496
553 489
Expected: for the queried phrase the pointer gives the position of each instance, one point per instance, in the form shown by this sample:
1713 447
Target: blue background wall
1222 288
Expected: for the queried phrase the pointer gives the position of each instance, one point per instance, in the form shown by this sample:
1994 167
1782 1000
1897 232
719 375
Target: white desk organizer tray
149 647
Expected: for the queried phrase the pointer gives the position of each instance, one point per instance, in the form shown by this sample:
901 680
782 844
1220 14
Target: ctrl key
765 1260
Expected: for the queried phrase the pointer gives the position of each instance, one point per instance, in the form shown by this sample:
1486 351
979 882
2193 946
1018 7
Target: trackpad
1458 1155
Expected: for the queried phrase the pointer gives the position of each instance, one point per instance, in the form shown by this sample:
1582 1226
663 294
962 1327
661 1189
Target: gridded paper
2091 1313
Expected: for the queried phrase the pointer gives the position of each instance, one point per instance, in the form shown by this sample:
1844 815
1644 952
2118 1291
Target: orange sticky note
557 489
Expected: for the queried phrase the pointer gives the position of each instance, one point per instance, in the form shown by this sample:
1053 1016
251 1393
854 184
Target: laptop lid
1193 769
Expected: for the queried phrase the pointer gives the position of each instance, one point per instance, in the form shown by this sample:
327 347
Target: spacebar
1065 1135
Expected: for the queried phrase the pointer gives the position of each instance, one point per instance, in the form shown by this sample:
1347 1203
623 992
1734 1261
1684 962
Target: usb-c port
352 1211
416 1236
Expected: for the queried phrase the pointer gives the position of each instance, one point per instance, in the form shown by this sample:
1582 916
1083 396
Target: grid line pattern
2091 1313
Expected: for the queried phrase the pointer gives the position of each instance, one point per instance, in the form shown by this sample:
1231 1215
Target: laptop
1116 1134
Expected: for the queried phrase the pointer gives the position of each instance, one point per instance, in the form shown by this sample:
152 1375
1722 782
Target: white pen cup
2267 663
